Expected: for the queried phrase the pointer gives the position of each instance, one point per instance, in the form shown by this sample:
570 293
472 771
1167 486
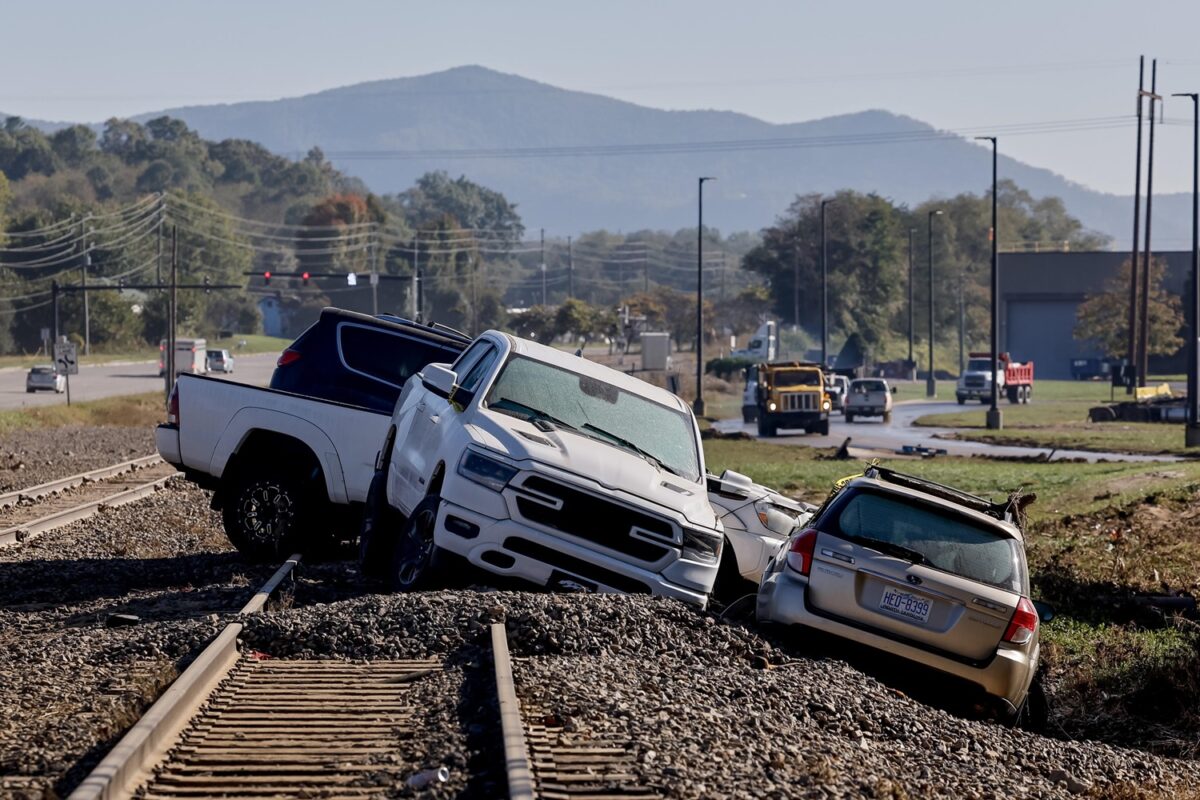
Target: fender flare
249 420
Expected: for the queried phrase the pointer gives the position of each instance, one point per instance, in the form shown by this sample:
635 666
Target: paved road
109 380
873 434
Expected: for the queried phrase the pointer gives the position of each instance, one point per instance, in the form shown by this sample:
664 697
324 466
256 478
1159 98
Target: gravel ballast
71 681
30 457
717 710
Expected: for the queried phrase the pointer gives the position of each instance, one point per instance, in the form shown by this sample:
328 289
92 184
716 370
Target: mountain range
575 161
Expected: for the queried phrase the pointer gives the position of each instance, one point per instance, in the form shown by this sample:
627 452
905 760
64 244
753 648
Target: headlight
825 406
774 518
771 406
702 545
489 472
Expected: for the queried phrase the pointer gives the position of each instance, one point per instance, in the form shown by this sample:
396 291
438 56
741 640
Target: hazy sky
955 64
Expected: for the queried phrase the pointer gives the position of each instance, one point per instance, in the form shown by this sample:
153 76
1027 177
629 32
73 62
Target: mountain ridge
473 108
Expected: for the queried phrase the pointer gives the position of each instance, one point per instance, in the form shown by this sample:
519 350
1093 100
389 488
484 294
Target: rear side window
384 356
948 541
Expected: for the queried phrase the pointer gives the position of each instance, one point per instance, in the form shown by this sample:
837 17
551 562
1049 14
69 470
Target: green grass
1057 418
130 410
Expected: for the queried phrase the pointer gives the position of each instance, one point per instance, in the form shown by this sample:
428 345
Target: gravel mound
716 710
30 457
70 683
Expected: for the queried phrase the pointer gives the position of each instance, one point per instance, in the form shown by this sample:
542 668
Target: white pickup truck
532 463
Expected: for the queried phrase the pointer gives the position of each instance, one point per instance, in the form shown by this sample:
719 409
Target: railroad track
240 725
29 512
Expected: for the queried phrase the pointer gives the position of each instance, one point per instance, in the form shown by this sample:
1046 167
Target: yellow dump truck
791 394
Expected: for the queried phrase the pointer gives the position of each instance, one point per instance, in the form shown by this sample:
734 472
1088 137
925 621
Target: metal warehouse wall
1041 292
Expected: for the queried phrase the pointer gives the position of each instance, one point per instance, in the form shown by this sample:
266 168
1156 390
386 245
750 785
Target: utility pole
796 283
995 419
1131 360
159 256
83 268
543 266
961 323
172 310
1192 431
931 381
1144 343
824 288
570 270
373 246
912 364
698 406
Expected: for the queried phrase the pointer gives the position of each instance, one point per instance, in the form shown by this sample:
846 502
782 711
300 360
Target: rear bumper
1004 679
507 547
166 440
867 411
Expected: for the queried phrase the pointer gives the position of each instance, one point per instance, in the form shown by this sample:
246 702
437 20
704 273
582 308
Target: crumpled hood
592 462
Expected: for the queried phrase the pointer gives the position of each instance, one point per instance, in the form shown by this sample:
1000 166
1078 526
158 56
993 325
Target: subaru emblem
913 579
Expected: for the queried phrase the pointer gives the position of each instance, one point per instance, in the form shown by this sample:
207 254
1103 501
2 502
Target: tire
267 513
1035 710
1014 394
962 401
887 417
823 428
28 391
379 530
765 428
1026 394
849 418
415 557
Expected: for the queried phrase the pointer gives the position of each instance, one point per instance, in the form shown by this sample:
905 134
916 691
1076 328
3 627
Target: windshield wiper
531 414
628 445
890 548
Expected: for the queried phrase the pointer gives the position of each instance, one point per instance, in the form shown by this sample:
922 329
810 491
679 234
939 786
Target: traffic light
304 278
267 278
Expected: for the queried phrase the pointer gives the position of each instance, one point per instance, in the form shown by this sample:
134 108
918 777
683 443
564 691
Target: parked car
220 361
927 573
869 397
532 463
291 465
757 521
43 377
838 389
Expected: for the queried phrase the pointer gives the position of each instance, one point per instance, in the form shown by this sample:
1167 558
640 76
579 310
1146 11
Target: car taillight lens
800 552
173 406
288 357
1024 623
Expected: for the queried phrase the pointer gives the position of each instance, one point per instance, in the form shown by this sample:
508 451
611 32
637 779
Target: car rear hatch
918 573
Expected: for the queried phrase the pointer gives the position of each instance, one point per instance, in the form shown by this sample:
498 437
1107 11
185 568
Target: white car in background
758 521
43 377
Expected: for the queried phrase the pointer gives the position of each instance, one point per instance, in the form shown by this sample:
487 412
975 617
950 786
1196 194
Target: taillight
800 552
173 406
288 357
1024 623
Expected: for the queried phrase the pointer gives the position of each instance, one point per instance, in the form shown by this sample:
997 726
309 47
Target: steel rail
25 530
70 482
145 744
512 730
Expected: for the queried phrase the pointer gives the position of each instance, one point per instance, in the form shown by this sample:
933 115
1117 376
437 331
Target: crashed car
757 522
932 575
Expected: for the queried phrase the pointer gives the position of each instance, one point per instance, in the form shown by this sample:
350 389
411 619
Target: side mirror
1045 610
439 379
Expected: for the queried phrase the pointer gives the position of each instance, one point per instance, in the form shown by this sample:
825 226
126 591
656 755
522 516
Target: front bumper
489 538
1005 678
975 392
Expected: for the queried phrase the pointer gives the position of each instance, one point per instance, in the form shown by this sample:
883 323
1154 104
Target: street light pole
962 322
995 420
1192 431
824 288
912 364
698 406
1144 301
931 381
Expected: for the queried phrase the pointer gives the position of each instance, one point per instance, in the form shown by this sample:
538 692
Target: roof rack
1011 510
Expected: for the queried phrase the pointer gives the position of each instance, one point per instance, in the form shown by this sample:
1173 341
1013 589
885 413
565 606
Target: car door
958 604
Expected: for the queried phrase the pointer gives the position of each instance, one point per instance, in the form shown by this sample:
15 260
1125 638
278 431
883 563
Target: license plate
904 604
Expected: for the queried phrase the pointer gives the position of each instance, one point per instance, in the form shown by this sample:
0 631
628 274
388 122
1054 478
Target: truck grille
973 381
595 519
799 401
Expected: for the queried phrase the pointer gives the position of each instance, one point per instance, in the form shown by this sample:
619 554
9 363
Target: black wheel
267 513
962 401
1035 711
380 525
1013 394
849 417
415 559
765 427
887 417
823 428
1026 393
